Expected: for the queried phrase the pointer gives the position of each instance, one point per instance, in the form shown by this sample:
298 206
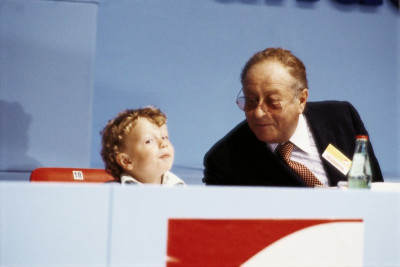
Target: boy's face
148 150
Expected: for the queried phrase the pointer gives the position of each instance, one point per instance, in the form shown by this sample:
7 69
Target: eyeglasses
267 104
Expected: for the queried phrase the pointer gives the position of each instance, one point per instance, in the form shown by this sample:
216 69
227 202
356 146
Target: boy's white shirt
169 179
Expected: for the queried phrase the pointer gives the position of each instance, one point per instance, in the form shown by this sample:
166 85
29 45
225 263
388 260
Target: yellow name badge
337 159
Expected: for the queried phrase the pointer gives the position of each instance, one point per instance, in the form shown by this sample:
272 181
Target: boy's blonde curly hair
113 135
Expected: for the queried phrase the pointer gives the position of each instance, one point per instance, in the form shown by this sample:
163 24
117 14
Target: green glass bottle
360 175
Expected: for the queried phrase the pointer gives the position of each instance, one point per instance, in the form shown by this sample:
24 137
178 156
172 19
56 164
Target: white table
110 225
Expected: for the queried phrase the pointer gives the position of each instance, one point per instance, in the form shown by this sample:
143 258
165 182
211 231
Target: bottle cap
362 137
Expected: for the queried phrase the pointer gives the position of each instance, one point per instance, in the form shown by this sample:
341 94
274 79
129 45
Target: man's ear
303 95
124 161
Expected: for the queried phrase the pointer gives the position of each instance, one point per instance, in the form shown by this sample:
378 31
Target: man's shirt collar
299 138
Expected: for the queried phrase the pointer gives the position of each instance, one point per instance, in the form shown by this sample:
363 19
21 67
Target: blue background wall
46 84
186 57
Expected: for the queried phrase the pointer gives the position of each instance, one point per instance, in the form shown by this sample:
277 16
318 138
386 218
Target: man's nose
261 110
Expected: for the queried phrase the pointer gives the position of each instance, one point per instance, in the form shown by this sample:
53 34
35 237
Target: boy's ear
124 161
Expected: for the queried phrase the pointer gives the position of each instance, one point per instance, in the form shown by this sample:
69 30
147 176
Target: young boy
136 148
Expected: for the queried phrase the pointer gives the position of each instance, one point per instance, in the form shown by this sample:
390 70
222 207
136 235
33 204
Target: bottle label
357 169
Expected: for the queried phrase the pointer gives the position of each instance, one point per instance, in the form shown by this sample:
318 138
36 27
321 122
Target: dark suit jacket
240 158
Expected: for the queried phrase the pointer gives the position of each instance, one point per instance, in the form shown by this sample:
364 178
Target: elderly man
284 140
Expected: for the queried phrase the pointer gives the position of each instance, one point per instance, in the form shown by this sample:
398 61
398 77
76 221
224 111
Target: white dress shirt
169 179
305 150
